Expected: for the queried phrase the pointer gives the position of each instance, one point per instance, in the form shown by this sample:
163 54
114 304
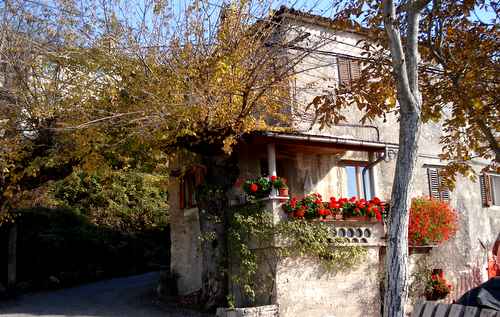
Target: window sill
421 249
493 208
189 212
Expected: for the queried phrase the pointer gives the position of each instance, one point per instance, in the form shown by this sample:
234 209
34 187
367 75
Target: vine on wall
251 233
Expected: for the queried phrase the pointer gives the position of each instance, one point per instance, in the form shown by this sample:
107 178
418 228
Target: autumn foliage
431 221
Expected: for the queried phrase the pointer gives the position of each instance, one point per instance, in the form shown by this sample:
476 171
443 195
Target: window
356 185
188 192
490 189
437 190
193 178
349 71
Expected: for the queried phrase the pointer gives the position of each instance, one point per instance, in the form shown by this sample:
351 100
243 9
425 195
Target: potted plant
312 207
431 222
335 207
279 183
437 287
259 187
309 207
361 209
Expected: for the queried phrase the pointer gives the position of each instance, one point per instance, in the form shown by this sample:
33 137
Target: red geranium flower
334 205
254 188
376 200
360 204
273 178
324 212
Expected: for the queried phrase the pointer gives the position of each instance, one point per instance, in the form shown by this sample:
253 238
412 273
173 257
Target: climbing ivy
251 233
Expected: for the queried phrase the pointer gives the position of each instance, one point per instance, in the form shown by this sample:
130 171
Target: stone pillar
185 252
373 176
271 163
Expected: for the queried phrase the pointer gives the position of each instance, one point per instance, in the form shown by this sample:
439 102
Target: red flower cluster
312 206
437 287
254 188
431 221
360 207
261 187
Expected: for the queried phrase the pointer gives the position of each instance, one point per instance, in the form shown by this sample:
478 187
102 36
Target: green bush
128 201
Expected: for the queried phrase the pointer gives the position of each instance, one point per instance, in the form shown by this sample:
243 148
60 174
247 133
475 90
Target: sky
132 8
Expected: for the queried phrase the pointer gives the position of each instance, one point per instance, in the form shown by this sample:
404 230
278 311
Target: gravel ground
129 296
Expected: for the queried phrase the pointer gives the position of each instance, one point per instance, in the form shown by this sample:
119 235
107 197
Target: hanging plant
431 222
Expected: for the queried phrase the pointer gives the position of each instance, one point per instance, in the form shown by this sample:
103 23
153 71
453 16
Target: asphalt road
129 296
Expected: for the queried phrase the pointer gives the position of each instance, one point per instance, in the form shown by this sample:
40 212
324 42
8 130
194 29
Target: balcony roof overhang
322 141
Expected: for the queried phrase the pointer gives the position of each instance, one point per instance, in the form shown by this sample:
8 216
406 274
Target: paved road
129 296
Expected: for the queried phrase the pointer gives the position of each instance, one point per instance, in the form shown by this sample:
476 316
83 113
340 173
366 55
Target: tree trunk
397 248
405 61
12 257
221 172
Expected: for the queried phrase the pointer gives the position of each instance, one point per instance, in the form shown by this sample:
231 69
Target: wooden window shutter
444 192
355 70
485 185
436 186
433 177
344 72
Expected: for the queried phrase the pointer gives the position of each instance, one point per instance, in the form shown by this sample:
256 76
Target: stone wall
304 288
261 311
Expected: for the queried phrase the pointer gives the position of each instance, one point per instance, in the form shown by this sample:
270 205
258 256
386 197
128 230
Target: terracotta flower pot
283 192
358 218
299 213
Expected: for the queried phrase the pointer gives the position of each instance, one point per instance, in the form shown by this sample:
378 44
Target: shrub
431 222
127 201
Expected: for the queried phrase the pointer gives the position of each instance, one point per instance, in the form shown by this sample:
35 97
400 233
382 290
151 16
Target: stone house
346 160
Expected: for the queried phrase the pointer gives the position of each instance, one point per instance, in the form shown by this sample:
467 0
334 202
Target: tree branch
405 96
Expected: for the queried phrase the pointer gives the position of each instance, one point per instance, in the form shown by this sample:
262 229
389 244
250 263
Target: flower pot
299 213
435 295
357 218
283 192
